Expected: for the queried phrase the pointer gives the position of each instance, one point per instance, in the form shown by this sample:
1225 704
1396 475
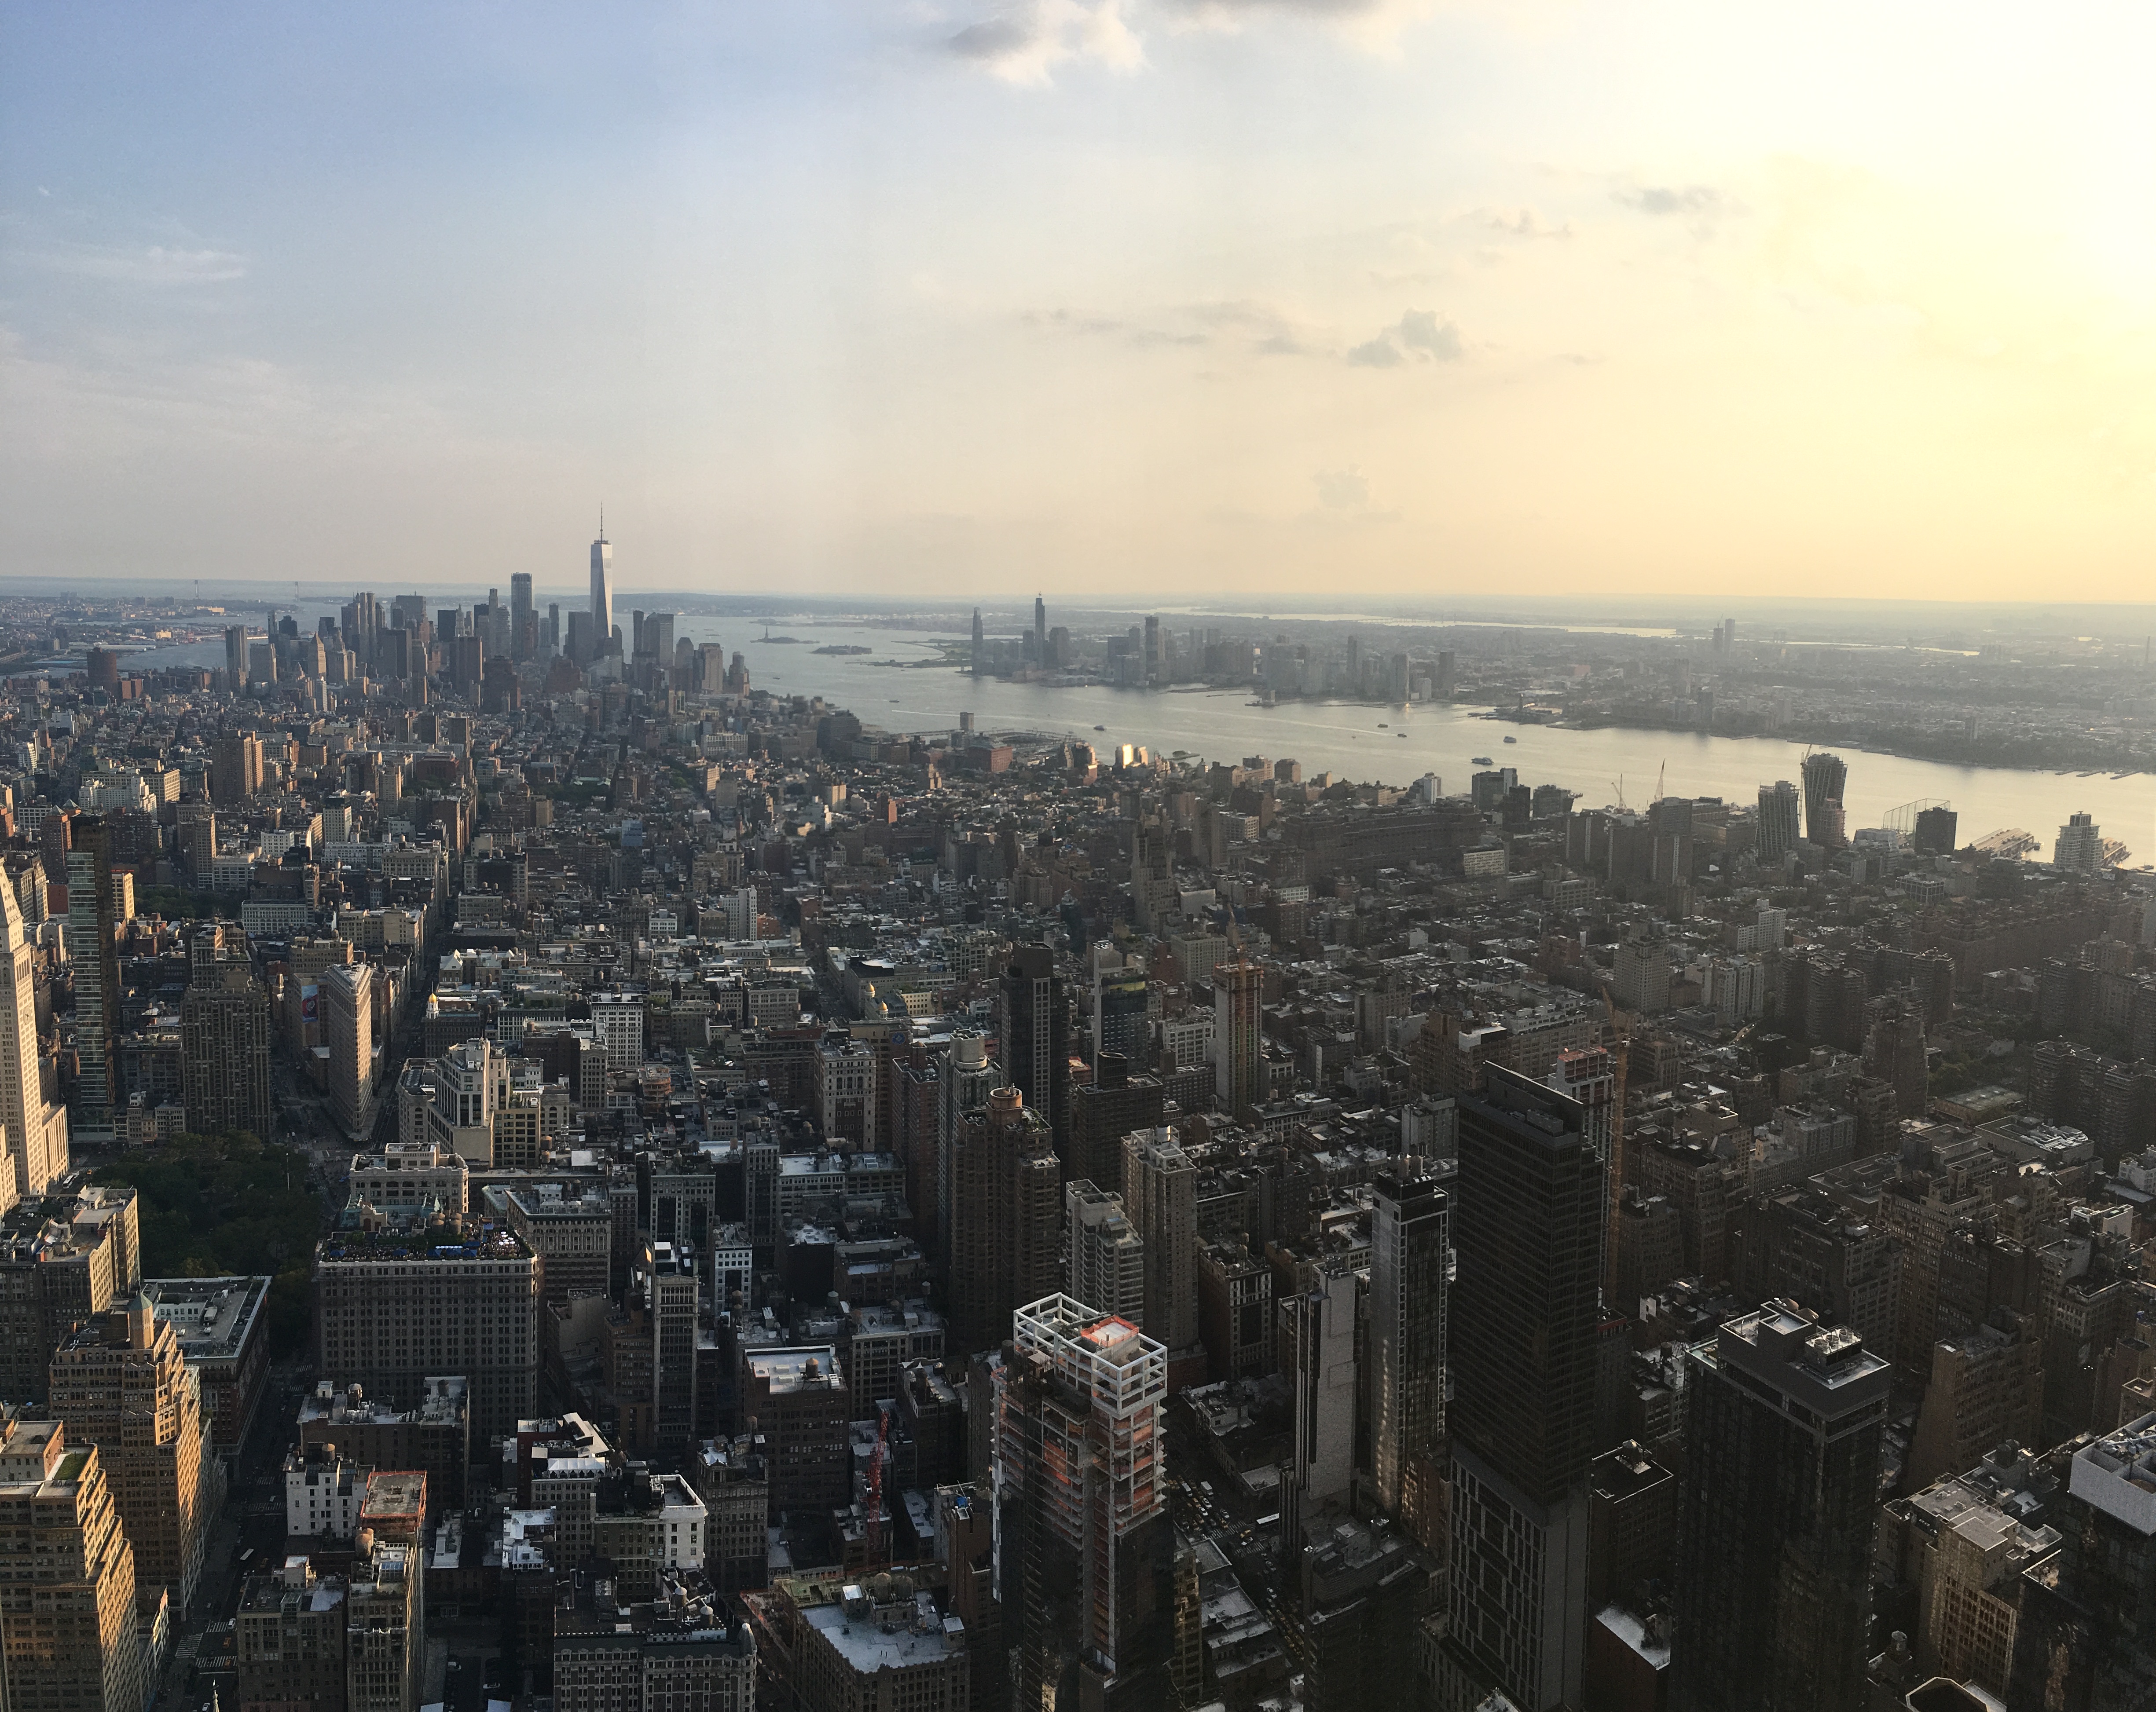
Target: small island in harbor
843 648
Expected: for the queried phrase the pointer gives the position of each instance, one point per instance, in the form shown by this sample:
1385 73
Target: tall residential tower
1827 778
1239 1064
1034 1033
1160 1198
1007 1219
1407 1255
1778 823
94 950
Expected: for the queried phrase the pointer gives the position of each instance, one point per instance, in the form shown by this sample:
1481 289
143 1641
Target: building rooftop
2117 1474
899 1633
295 1579
1827 1368
1103 1354
804 1165
444 1402
211 1316
1649 1637
30 1449
1956 1505
434 1243
399 1494
1626 1471
412 1156
524 1532
809 1368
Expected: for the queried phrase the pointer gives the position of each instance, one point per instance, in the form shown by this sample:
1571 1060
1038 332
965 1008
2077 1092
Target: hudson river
1346 739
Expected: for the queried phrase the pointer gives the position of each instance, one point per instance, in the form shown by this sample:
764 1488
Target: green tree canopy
225 1205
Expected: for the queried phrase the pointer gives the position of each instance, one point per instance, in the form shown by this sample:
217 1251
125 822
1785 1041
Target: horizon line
254 589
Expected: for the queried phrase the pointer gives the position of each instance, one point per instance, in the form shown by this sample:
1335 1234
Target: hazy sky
1209 296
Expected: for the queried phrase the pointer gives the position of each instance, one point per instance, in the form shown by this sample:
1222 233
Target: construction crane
1662 774
1617 785
875 1532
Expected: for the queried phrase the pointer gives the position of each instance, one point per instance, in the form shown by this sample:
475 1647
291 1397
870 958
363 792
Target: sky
1209 299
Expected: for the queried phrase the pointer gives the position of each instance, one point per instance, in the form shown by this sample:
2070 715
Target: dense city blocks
542 1170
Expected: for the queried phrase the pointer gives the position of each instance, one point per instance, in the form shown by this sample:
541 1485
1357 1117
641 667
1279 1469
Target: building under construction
1083 1541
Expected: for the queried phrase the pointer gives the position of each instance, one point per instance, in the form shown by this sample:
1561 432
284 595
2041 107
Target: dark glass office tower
1034 1025
1528 1225
1773 1586
1120 1024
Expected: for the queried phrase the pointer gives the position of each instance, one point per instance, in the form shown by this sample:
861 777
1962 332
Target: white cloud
1696 199
154 264
1343 489
1420 330
1024 44
1374 23
135 394
1250 324
1417 334
1525 223
1701 207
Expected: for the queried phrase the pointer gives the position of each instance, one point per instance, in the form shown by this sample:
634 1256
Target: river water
1346 738
1392 745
